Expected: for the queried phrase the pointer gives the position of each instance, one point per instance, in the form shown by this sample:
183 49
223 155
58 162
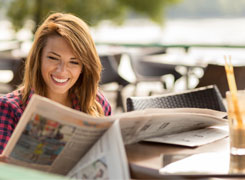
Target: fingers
3 158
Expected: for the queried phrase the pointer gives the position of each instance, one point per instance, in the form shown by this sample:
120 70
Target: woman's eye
74 62
53 58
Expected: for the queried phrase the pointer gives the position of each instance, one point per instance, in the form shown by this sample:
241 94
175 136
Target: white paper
203 163
106 159
192 138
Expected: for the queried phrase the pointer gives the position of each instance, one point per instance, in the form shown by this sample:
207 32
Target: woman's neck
62 99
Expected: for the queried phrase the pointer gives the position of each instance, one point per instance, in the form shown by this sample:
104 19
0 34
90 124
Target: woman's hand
3 158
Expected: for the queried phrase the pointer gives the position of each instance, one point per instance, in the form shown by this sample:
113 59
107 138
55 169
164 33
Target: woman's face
60 68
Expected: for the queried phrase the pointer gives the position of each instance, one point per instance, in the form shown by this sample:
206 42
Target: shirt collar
75 102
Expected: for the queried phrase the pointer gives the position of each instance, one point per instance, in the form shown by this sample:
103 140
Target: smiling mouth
58 80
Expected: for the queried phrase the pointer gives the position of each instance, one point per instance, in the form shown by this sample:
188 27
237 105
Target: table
145 159
191 62
187 61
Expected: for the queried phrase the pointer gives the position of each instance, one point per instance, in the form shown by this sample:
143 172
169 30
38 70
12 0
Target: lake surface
178 31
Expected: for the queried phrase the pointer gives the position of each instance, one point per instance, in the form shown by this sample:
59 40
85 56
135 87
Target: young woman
62 65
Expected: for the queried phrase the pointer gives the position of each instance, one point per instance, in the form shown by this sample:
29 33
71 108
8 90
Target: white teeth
60 80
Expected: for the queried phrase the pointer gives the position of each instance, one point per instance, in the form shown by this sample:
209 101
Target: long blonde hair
76 32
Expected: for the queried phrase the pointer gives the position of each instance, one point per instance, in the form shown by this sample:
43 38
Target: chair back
110 74
206 97
146 70
16 65
110 71
215 74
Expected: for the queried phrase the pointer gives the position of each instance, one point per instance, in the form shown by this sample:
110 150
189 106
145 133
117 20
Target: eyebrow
59 55
54 53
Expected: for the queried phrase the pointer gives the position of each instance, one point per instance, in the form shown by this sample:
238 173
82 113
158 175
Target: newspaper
192 138
52 137
158 123
201 163
105 160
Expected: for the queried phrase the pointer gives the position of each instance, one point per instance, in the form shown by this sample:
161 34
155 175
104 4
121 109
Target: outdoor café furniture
203 97
110 74
215 74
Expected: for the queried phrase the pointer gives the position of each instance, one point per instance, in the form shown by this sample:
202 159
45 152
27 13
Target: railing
186 47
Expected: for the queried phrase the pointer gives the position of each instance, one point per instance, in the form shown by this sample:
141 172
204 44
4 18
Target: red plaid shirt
11 109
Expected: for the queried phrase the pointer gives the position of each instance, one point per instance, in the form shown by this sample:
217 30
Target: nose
61 67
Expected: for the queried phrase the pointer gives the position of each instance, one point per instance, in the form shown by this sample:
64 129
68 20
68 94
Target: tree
92 11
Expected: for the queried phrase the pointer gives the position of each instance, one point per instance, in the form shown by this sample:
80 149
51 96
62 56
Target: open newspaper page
105 160
161 122
52 137
193 138
212 163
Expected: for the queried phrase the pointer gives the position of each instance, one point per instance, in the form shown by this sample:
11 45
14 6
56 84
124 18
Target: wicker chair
205 97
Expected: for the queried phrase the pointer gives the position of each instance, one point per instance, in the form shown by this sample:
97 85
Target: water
180 31
176 31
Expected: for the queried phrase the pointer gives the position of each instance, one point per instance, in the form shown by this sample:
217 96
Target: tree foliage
92 11
207 9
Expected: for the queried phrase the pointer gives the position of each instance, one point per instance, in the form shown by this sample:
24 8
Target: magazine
54 138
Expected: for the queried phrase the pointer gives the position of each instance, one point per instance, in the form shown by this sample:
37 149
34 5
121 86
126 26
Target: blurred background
146 47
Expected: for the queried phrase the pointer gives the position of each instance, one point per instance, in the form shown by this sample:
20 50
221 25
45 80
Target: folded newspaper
58 139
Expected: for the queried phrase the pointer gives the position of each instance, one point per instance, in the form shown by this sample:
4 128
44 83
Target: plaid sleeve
8 121
104 103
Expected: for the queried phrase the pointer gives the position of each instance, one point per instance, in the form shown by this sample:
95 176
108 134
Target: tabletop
145 159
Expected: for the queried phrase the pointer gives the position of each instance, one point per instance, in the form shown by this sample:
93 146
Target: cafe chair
205 97
215 74
110 74
146 71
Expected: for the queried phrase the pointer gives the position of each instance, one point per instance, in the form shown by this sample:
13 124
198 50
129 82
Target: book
57 139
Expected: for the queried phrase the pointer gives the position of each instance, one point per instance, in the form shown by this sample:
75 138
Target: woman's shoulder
10 109
12 99
104 103
101 98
